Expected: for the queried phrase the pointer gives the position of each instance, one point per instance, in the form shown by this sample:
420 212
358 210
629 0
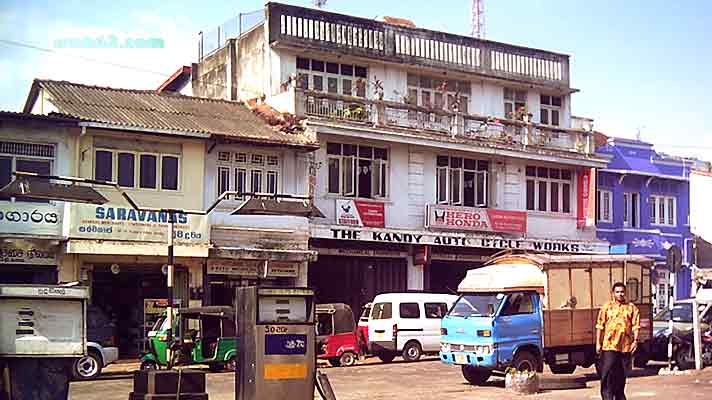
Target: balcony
433 123
304 28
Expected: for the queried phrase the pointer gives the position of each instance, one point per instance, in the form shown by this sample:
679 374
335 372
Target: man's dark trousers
613 369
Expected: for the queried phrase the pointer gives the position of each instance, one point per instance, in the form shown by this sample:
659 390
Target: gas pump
276 354
42 330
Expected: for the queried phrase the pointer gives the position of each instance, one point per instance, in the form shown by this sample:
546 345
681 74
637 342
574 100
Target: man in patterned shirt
616 339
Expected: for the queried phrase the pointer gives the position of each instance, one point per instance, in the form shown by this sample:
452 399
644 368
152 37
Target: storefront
122 255
29 242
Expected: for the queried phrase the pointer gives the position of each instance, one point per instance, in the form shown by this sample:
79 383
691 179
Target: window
24 157
663 210
518 303
461 181
129 168
335 78
550 110
604 208
430 92
381 311
248 172
514 100
357 170
548 189
409 310
631 210
435 310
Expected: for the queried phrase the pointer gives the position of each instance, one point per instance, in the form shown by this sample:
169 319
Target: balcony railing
292 26
388 114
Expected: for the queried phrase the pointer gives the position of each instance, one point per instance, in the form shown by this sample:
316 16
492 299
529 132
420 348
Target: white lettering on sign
275 329
51 291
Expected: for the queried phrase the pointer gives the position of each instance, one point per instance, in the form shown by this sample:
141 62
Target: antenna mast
478 19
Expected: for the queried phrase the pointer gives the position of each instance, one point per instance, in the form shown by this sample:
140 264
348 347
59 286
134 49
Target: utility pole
478 19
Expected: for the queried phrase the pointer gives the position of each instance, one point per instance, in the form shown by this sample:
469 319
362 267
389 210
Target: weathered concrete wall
251 74
210 76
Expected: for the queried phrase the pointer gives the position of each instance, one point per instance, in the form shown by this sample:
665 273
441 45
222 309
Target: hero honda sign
475 219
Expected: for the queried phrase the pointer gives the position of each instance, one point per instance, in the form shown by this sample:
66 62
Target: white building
436 150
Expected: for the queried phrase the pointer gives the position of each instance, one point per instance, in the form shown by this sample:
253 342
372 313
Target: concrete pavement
429 380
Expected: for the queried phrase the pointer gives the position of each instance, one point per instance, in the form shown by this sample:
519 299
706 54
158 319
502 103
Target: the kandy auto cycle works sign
475 219
122 223
360 213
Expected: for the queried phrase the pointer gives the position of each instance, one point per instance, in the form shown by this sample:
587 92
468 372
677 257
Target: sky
643 68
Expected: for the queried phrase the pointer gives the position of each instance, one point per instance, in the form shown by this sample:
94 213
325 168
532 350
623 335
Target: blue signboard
285 344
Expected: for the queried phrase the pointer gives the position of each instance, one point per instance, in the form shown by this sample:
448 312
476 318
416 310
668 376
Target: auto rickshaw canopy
342 317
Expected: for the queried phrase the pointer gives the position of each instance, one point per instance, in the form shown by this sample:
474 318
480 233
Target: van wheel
475 375
386 357
347 359
525 361
412 351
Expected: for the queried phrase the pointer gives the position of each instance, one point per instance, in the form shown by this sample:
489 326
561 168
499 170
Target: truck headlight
483 349
445 347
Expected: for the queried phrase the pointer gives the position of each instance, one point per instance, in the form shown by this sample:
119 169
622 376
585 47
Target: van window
409 310
518 303
365 313
381 311
435 310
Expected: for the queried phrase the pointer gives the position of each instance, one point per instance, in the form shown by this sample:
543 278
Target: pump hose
316 380
178 389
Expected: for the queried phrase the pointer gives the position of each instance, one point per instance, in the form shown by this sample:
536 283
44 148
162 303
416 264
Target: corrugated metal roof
147 110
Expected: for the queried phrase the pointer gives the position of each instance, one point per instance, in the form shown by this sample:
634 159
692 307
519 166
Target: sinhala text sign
31 219
109 222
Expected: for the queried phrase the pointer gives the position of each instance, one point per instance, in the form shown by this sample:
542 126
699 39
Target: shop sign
475 219
252 268
421 255
585 193
27 252
31 219
459 240
109 222
360 213
361 252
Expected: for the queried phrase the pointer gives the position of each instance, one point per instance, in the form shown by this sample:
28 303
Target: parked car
406 324
98 356
682 325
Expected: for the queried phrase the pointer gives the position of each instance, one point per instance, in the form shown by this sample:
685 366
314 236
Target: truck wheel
681 359
525 361
335 361
88 367
386 357
640 360
348 359
412 351
475 375
563 368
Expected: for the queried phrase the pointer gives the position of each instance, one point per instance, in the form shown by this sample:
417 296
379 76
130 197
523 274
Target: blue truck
522 311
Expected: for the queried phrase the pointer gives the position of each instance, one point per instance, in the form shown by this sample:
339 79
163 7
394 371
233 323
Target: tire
88 367
525 361
148 364
475 375
231 364
562 369
680 357
348 359
641 360
412 351
386 357
335 361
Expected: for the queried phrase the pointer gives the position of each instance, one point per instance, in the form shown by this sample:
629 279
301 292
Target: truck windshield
475 305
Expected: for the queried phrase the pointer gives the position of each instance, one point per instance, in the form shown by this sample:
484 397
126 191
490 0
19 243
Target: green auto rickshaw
202 335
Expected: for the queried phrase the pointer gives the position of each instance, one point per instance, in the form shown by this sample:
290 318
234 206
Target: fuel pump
42 330
276 351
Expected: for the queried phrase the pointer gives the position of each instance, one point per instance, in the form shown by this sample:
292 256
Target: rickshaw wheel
348 359
335 361
148 365
231 364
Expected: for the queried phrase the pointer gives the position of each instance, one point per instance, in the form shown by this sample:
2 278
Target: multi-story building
163 150
436 150
643 207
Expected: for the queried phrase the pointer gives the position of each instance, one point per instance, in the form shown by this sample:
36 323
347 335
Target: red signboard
360 213
585 195
476 219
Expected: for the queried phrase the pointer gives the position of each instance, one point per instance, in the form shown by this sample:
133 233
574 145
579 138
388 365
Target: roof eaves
172 132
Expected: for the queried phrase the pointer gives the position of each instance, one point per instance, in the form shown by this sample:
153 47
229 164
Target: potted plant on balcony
521 114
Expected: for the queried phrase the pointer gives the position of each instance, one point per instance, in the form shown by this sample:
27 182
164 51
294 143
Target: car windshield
681 312
476 305
365 313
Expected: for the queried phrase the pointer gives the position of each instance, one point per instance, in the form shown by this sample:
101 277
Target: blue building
643 207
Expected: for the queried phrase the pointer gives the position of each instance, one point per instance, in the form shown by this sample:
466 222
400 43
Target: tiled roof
163 112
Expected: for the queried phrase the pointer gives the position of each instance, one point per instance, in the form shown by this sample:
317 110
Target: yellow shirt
618 322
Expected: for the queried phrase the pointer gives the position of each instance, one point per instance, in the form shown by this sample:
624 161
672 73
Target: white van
406 324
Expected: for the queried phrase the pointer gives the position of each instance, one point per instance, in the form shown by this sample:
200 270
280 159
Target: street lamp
33 186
